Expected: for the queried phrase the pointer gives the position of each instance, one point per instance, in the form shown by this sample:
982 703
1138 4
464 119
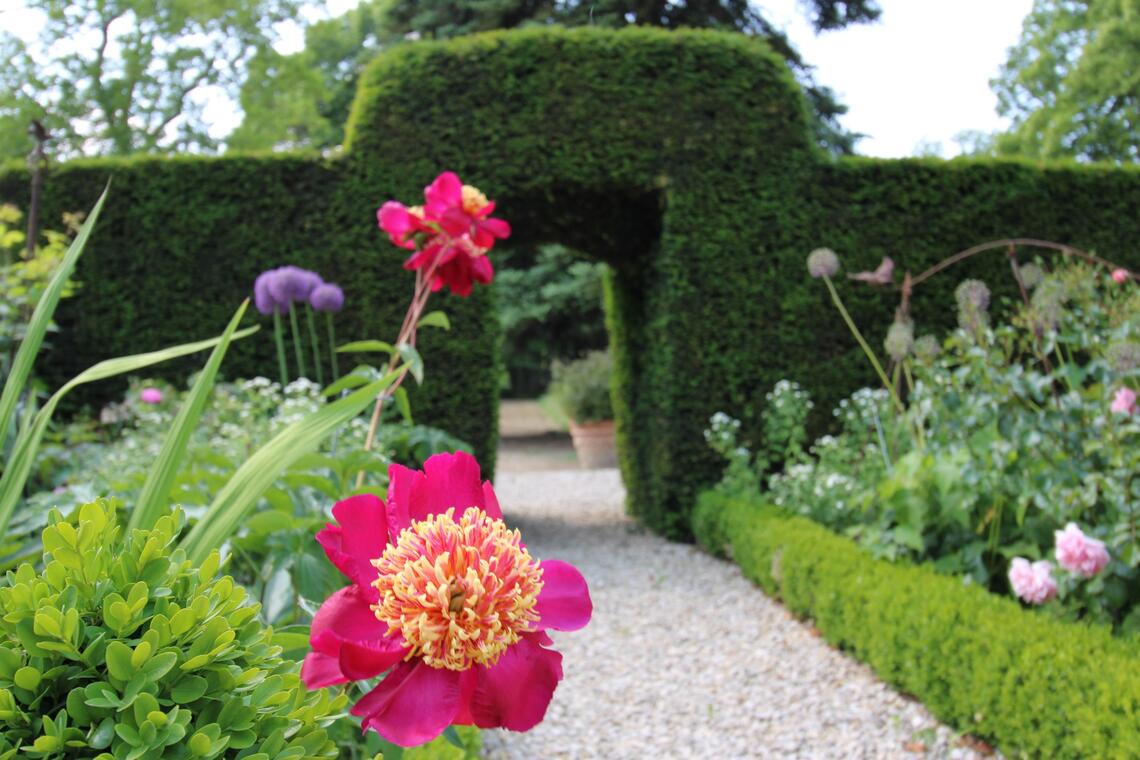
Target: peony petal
346 629
515 691
413 704
331 538
500 228
482 270
491 502
564 602
455 222
394 219
364 522
447 480
451 480
445 193
402 483
348 615
321 670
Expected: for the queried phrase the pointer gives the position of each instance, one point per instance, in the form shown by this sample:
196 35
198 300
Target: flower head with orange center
452 606
450 234
459 592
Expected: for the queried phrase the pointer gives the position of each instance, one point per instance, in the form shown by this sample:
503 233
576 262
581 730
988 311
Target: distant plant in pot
582 389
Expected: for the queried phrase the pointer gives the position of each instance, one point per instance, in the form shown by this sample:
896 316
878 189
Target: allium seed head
900 340
822 262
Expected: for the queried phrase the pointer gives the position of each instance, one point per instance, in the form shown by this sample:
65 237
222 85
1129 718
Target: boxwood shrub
1034 685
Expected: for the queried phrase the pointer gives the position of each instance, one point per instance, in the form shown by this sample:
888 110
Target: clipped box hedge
180 241
1034 685
681 159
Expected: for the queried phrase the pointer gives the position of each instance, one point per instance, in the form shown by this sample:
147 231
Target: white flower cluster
788 392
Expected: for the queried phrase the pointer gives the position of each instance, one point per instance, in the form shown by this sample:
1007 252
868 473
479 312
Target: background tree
303 99
1071 85
123 76
336 51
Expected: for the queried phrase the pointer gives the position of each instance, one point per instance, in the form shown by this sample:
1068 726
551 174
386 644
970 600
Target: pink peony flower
1032 582
1120 275
150 396
1124 402
454 228
448 601
1078 553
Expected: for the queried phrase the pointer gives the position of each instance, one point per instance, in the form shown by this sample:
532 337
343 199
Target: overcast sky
918 76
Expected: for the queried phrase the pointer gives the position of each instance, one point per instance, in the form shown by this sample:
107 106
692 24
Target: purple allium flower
327 297
305 282
151 396
292 283
262 293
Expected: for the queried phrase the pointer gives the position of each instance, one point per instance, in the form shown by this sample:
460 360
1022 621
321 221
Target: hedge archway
682 159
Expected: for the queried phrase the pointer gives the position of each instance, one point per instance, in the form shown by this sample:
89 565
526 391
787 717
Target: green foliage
1007 437
582 387
550 307
1037 687
1070 85
682 159
274 555
121 648
303 99
24 280
186 237
121 76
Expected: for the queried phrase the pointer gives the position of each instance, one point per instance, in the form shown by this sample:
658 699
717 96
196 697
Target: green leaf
452 737
155 495
27 443
346 382
118 658
366 347
414 361
260 471
190 689
402 403
435 319
38 325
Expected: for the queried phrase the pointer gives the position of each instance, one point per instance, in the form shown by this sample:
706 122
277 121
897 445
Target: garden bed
1032 685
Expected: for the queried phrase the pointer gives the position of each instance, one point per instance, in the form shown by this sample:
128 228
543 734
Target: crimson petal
360 537
346 629
515 692
320 670
564 602
413 704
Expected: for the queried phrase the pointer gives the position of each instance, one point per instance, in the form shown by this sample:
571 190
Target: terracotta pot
594 444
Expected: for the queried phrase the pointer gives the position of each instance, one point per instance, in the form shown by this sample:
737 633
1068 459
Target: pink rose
1078 553
1120 275
1032 582
1124 402
151 396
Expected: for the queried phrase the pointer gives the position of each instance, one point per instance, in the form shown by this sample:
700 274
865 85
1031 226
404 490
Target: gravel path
685 657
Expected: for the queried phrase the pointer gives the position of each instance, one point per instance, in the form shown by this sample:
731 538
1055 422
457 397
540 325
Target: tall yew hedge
682 159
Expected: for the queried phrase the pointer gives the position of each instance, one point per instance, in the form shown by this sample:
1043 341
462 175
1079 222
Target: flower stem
316 346
279 339
332 346
297 340
420 296
863 344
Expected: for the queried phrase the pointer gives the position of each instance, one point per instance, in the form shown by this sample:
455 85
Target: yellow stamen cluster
473 199
459 592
